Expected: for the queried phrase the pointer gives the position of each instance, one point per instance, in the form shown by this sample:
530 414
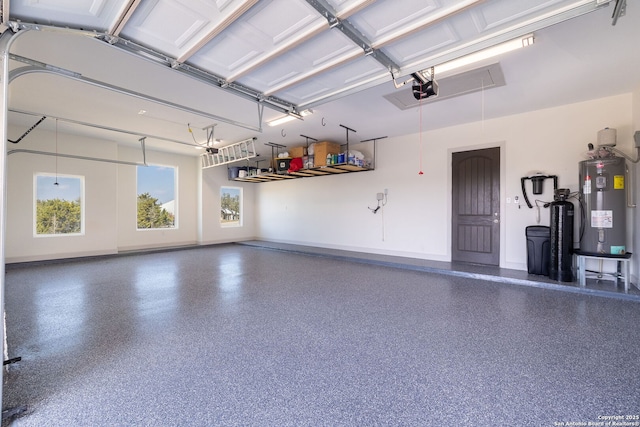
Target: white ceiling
186 63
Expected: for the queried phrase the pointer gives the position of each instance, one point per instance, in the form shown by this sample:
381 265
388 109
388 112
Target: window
156 197
59 205
231 207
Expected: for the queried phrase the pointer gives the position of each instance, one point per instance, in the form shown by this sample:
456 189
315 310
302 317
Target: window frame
175 197
240 221
58 177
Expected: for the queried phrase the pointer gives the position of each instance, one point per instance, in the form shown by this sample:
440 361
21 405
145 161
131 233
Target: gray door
476 206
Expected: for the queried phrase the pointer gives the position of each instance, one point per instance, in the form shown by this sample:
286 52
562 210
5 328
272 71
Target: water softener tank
561 236
605 206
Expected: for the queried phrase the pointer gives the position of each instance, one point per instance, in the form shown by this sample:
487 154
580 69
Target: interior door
476 206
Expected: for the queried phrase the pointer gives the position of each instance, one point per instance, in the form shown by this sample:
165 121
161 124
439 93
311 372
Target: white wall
100 197
211 230
110 200
129 237
332 212
328 211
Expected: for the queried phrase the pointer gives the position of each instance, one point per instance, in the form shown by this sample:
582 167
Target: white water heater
604 206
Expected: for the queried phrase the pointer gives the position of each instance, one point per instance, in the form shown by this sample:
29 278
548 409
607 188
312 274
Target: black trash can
538 249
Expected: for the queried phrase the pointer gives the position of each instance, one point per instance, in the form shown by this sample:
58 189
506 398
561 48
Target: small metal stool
622 262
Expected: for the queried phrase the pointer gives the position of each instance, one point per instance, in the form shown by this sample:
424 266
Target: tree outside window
231 206
156 197
58 205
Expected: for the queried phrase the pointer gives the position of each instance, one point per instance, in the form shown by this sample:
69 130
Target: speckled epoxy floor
240 335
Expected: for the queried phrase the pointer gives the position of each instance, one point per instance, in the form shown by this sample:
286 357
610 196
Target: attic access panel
475 80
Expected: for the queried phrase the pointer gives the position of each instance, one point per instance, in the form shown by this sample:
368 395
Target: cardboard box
321 149
297 151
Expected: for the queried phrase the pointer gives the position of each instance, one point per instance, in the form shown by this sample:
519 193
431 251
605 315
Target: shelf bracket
375 140
144 151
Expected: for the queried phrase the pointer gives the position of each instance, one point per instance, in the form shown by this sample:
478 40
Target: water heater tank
605 206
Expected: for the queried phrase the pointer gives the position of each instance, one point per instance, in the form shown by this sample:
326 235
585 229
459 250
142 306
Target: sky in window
233 192
68 188
158 181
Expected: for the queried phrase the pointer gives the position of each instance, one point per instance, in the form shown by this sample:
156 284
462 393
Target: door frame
501 146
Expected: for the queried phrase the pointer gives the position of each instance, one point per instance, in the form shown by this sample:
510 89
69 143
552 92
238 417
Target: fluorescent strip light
281 120
289 118
491 52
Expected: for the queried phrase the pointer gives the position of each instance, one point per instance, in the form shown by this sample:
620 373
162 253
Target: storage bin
321 149
234 171
282 163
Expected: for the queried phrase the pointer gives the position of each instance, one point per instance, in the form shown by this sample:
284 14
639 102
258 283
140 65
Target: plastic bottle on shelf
329 158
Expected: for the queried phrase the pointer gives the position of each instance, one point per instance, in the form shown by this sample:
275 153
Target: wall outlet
380 196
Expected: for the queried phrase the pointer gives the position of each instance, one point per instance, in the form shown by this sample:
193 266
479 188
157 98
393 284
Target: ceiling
220 69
